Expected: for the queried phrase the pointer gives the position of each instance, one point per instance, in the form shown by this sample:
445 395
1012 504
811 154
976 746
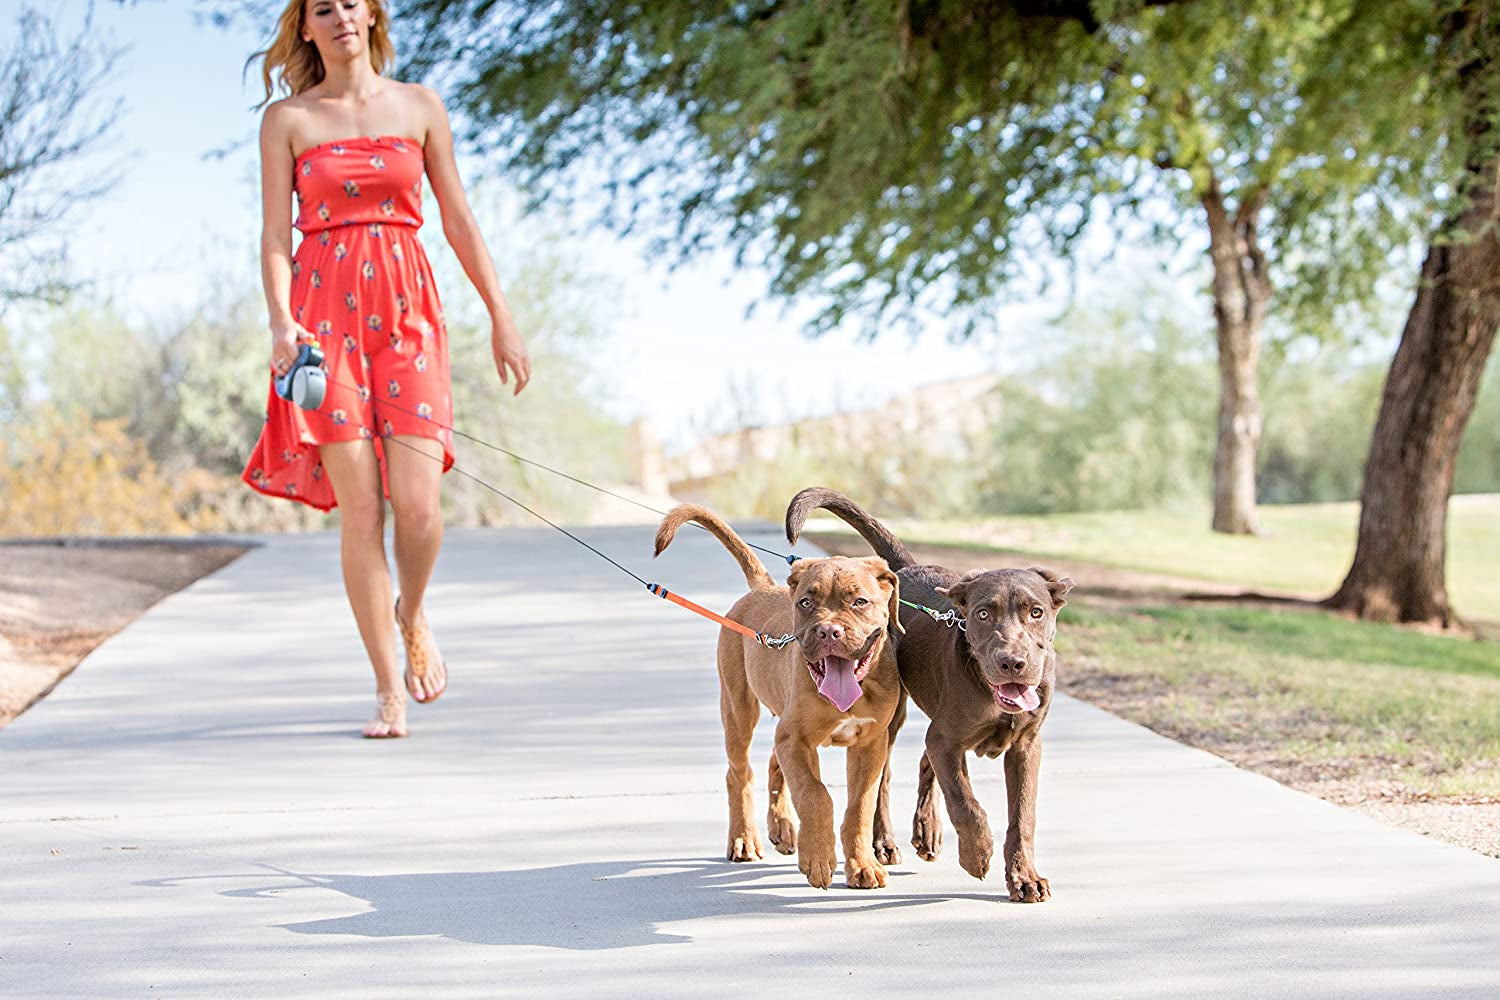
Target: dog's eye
860 602
1037 612
983 616
806 602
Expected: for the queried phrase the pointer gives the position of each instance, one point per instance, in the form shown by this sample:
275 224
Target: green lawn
1285 689
1305 548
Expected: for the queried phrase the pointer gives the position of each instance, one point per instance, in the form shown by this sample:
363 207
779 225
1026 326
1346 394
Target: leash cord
788 559
521 505
948 618
772 642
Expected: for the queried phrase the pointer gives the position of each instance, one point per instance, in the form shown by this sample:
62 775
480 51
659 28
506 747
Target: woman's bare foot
390 717
426 673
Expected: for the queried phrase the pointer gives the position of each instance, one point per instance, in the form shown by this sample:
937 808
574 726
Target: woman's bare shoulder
281 116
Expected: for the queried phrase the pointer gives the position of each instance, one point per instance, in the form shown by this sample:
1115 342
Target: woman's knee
363 517
418 516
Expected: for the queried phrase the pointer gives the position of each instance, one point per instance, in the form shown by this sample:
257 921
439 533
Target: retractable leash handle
306 382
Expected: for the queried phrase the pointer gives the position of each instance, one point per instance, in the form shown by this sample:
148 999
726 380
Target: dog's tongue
838 684
1022 694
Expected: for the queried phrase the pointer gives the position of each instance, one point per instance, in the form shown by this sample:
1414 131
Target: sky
180 221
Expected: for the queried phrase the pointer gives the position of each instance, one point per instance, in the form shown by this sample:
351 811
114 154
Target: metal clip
949 618
781 643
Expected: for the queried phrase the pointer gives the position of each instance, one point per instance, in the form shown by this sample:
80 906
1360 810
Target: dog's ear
955 593
794 575
886 575
958 592
1057 586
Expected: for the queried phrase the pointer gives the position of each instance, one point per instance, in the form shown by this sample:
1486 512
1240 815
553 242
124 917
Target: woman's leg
355 475
414 469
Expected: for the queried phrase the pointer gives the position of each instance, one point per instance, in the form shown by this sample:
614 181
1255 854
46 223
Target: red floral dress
360 282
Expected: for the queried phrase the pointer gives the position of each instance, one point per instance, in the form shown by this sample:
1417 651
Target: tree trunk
1397 574
1241 290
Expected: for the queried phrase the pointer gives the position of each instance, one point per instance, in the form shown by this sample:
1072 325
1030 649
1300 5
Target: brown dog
986 689
837 685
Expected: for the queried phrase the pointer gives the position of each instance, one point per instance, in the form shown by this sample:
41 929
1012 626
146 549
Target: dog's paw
744 847
819 871
886 851
864 873
975 852
927 836
1026 886
782 832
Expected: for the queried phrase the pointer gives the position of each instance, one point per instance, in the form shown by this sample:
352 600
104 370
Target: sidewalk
192 814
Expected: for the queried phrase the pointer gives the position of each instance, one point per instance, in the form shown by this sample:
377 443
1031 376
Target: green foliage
1320 413
190 401
559 307
880 156
1121 420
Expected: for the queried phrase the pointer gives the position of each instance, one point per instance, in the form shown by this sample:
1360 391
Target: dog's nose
830 631
1009 662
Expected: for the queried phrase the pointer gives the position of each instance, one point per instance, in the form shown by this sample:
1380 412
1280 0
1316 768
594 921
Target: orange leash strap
698 609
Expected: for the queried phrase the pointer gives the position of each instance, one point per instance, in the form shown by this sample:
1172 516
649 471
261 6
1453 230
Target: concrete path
192 815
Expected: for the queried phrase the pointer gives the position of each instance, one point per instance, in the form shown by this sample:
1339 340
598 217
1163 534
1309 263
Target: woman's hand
510 354
284 340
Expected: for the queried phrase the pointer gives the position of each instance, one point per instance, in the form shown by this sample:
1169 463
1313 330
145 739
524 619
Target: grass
1353 711
1297 693
1305 548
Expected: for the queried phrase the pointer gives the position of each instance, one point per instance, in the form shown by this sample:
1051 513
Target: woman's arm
463 235
276 165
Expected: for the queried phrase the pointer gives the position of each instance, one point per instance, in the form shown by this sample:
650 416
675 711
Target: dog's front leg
975 845
867 760
886 851
1023 763
815 841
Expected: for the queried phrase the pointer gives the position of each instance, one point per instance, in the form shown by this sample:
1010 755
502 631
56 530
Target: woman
353 145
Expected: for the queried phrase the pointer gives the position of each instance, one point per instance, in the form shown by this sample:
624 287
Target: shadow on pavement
587 906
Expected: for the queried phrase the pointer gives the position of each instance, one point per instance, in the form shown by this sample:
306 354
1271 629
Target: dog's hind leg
886 851
781 825
739 727
927 822
740 710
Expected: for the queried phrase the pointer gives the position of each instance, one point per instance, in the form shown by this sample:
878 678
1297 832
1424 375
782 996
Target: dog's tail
755 570
885 544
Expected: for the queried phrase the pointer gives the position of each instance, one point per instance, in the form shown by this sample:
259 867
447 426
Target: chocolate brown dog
837 685
986 689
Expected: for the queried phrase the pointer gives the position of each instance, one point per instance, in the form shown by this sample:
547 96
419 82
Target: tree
886 157
1399 560
50 121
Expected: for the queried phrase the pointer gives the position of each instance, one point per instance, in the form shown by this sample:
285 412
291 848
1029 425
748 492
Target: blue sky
180 224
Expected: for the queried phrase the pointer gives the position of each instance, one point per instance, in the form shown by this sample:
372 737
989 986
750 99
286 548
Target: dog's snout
830 631
1008 662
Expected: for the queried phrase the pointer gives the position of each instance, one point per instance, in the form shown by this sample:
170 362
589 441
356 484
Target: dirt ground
59 601
1364 785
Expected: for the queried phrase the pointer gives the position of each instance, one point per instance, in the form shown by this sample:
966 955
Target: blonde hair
293 65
